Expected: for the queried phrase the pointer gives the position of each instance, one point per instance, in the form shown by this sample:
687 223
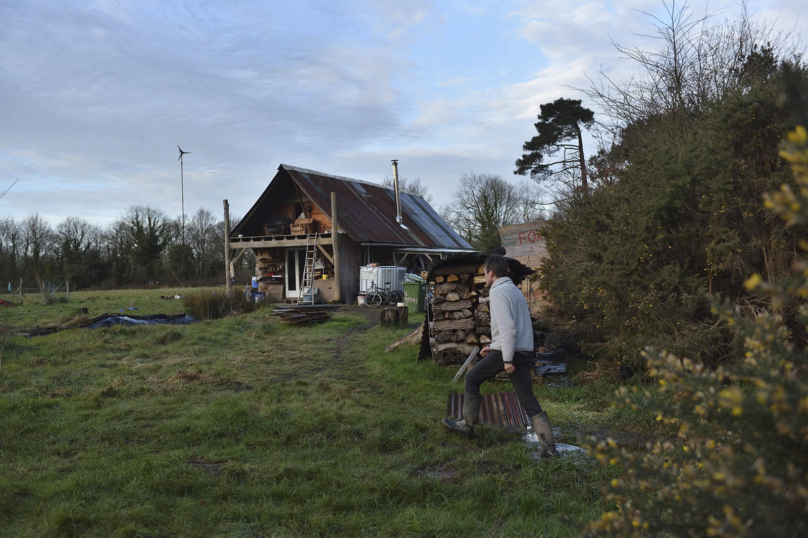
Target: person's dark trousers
492 364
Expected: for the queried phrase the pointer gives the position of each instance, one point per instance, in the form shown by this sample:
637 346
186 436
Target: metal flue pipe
399 218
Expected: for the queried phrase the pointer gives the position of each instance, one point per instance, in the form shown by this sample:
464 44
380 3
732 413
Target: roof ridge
344 178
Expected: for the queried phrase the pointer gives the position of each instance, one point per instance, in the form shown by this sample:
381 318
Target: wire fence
33 292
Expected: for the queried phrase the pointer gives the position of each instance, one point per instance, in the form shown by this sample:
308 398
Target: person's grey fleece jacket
511 329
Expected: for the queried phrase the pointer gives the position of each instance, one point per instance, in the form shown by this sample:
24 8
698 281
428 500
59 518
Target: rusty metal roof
366 211
500 409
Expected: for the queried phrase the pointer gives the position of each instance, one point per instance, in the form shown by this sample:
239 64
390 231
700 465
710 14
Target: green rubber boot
471 409
541 425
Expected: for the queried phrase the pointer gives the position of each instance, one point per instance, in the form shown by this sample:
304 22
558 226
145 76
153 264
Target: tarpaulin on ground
159 319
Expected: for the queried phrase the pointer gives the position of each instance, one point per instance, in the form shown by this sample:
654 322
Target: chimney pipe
399 218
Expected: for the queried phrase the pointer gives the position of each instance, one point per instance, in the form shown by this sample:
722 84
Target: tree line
142 247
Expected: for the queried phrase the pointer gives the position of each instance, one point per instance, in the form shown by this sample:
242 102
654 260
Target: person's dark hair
497 264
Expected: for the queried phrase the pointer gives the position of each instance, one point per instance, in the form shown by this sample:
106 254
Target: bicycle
375 296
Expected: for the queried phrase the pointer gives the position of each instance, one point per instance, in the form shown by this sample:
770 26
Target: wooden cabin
296 208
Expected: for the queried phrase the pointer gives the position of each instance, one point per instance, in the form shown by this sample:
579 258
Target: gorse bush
217 304
742 466
677 216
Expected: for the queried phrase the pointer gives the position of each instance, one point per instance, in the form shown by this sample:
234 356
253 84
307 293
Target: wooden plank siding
350 258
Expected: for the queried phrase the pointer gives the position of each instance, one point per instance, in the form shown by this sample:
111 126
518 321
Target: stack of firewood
460 319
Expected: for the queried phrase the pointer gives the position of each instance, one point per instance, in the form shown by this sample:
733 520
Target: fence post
22 293
228 265
67 287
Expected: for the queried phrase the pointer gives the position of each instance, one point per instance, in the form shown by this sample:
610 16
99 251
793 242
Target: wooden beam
326 254
227 265
274 243
241 251
335 243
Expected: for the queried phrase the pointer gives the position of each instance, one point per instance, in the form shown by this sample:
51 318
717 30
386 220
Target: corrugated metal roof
367 211
518 270
500 409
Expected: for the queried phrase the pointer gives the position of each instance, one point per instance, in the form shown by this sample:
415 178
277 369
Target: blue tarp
126 320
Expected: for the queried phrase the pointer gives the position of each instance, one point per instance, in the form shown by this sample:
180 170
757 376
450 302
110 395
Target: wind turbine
182 186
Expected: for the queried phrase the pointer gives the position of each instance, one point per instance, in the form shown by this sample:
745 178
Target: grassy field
247 427
33 314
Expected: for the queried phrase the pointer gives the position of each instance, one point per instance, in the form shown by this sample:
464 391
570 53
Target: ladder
308 271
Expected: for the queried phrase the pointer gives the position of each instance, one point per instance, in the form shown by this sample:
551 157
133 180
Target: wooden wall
290 208
350 258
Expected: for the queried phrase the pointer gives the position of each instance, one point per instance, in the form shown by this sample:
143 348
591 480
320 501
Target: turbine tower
182 187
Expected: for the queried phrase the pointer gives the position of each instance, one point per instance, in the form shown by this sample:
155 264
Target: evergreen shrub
634 262
741 468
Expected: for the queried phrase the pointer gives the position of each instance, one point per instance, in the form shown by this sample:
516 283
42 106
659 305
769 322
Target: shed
296 207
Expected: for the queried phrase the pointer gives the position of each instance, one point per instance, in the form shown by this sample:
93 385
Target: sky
95 96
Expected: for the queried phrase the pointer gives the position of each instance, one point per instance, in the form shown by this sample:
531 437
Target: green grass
33 314
247 427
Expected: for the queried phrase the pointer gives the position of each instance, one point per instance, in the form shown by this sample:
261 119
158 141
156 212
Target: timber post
335 248
67 287
227 266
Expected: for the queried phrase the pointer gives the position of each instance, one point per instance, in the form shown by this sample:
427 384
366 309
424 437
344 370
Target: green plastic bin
414 294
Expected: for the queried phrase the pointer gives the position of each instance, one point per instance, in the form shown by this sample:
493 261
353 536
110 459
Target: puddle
563 449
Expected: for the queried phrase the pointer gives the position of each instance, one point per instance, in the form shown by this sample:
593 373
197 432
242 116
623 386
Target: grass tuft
217 304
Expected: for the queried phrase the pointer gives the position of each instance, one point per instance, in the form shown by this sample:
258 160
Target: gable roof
366 211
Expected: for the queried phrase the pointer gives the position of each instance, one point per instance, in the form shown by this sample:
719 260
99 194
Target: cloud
95 95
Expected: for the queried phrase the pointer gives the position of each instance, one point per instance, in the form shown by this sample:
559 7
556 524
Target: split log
483 307
459 336
439 315
448 325
443 289
479 279
483 329
452 278
413 338
485 339
448 357
450 305
482 317
438 300
464 277
471 338
464 349
466 313
445 336
464 293
439 279
460 314
452 296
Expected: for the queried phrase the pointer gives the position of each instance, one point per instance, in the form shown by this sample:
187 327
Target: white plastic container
381 276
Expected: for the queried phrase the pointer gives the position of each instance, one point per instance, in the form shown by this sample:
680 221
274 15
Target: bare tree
415 186
697 63
10 245
37 244
202 238
484 202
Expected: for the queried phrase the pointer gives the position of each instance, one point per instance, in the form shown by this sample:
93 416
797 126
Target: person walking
511 349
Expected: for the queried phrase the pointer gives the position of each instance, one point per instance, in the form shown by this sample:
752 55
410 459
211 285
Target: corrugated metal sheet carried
367 211
500 409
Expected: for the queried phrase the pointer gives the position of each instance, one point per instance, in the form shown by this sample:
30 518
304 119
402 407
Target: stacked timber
460 315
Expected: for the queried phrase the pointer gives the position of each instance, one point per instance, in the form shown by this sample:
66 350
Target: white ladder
308 271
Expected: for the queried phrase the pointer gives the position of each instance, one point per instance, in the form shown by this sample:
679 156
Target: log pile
460 316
